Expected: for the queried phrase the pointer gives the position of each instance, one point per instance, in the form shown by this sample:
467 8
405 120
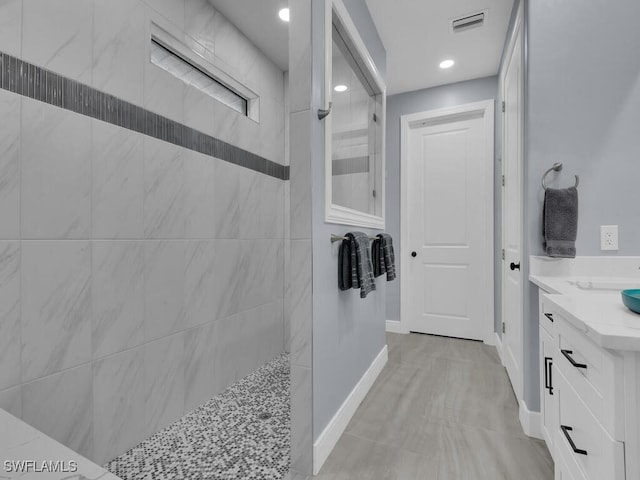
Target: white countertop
20 442
594 306
602 317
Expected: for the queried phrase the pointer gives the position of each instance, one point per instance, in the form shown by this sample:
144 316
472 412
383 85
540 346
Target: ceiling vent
468 21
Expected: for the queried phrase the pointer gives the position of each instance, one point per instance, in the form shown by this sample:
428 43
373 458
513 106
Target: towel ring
556 168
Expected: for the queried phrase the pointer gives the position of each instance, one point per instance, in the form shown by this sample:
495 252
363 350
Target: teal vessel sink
631 298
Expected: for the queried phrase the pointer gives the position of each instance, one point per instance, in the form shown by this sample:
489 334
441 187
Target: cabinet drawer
547 316
566 467
594 373
596 453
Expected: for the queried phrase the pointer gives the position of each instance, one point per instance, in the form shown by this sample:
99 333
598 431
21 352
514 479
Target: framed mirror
355 128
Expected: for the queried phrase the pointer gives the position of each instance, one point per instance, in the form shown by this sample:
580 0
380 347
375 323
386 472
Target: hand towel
376 257
560 222
387 256
361 268
344 265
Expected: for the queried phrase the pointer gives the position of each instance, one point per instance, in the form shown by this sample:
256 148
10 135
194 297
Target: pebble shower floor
227 438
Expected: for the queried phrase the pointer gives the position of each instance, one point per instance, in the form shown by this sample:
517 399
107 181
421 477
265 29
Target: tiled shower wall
137 278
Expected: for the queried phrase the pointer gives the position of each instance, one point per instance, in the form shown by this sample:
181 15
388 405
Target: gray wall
137 278
412 102
582 110
348 332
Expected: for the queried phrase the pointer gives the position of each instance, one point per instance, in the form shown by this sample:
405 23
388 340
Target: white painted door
449 222
512 281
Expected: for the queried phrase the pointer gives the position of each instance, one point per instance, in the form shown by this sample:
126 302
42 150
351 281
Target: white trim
530 421
336 213
336 427
394 326
516 34
409 121
498 344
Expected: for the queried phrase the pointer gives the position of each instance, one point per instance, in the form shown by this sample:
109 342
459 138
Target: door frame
415 120
516 34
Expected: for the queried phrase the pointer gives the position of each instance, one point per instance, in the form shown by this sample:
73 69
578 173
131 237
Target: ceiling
258 20
417 37
415 33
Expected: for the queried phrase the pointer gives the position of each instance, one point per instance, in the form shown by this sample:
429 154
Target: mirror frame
337 213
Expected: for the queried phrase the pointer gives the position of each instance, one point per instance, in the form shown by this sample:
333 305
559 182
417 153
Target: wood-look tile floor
442 409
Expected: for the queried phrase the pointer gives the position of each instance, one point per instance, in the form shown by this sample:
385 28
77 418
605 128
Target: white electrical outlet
608 237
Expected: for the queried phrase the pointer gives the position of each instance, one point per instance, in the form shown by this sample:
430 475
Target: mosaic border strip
35 82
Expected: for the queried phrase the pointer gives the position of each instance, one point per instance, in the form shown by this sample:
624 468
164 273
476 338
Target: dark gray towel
376 257
560 222
383 256
387 256
344 265
361 268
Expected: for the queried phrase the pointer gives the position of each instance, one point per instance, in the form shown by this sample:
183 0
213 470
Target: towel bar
556 168
339 238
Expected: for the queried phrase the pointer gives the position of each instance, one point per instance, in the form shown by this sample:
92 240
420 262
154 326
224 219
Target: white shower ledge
21 442
586 291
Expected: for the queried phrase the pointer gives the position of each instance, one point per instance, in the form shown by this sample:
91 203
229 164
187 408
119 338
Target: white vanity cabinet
585 421
547 352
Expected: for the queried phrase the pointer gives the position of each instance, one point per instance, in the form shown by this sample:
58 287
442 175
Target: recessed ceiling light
284 14
340 88
447 64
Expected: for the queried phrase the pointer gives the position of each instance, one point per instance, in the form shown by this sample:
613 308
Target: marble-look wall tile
228 199
170 9
300 59
272 129
300 301
164 190
199 110
301 423
9 314
11 401
117 296
117 182
164 270
11 27
119 46
262 280
199 206
9 160
56 306
56 172
57 35
300 175
163 382
61 406
287 268
199 22
200 282
199 361
118 404
228 125
261 207
233 49
258 338
229 278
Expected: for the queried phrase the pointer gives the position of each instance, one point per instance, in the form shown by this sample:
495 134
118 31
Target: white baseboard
395 326
336 427
530 421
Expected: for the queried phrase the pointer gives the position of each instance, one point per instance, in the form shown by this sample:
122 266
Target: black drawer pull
549 316
548 381
566 431
567 354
